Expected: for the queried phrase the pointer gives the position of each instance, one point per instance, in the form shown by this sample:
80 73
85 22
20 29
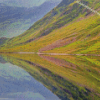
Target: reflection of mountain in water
2 60
64 89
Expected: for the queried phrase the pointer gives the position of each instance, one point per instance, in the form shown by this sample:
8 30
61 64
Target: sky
25 3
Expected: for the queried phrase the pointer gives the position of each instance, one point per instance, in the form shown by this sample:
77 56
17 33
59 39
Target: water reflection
68 77
17 84
2 60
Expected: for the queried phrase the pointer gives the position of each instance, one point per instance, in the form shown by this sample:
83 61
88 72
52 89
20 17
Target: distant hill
16 20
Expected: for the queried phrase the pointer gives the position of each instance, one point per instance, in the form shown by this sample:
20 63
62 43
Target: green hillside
68 28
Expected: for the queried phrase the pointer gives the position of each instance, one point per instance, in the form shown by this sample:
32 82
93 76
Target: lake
49 77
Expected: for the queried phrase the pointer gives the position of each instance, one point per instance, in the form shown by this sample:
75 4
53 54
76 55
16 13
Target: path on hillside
94 11
40 53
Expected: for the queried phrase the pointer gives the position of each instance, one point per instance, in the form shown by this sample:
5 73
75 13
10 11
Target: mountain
16 20
68 28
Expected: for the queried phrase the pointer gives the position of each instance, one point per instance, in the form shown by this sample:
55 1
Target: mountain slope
68 28
16 20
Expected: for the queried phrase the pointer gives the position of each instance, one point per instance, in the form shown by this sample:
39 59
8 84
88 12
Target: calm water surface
17 84
49 77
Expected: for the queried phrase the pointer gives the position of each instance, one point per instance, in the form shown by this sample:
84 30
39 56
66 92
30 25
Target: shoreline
40 53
